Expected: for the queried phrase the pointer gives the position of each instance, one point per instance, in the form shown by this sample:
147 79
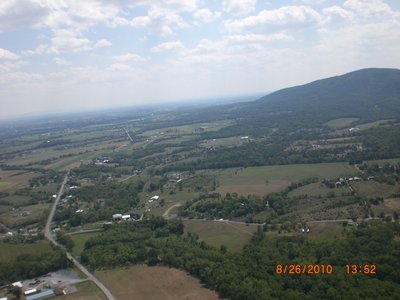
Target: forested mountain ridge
367 93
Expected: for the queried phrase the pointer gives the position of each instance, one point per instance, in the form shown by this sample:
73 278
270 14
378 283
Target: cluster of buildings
125 217
342 181
36 293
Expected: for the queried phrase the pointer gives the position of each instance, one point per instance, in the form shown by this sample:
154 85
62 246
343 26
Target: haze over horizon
70 55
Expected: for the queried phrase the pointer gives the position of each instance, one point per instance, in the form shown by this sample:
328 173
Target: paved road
129 136
47 233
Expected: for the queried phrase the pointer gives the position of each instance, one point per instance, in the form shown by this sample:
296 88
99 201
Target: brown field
87 290
148 283
10 181
254 189
388 207
372 188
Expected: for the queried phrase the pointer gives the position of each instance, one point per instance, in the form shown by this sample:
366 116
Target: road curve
166 213
48 235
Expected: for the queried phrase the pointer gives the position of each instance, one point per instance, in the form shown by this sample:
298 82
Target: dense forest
32 265
252 274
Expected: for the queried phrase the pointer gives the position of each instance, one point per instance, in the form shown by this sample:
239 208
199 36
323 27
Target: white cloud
369 8
61 61
335 14
176 45
102 43
118 68
16 14
37 51
65 41
159 21
239 7
205 15
79 15
128 57
7 55
313 1
250 38
282 18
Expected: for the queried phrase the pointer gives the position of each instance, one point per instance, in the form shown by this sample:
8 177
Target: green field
381 162
33 214
15 200
263 180
216 233
341 123
5 184
14 180
222 142
9 252
312 190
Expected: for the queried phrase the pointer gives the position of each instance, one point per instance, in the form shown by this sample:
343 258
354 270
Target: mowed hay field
389 206
372 188
216 233
10 181
341 123
268 179
9 252
87 290
150 283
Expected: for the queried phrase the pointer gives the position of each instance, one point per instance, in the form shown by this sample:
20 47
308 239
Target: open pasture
188 129
389 206
222 142
25 216
313 190
15 200
14 180
372 188
325 230
9 252
87 290
217 233
341 123
148 283
267 179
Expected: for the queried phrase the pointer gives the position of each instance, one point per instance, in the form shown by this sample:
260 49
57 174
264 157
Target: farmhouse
126 217
117 217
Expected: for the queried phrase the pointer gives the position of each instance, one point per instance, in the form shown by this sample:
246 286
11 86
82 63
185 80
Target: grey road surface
48 235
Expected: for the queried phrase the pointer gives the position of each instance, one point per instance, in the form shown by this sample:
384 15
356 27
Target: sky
72 55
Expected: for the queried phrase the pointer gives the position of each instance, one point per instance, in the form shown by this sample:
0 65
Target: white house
117 217
126 217
155 197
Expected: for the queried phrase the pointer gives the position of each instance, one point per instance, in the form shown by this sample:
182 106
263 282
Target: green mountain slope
368 94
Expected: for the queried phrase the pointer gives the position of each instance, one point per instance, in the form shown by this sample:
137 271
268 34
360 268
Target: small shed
17 284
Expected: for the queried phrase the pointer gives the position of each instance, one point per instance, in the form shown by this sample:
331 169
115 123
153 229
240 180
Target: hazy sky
62 55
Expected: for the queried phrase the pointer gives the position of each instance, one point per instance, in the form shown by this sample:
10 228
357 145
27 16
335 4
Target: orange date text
309 269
